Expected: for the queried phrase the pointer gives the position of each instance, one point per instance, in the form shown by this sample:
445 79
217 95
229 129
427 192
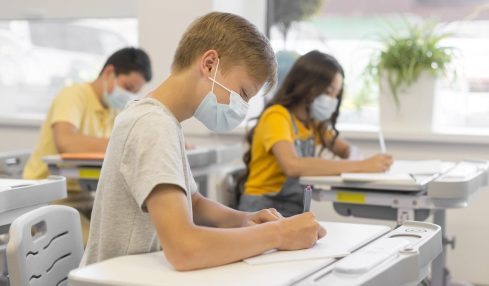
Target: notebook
401 173
338 242
392 178
82 156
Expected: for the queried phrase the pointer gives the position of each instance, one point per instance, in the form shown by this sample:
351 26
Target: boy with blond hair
147 198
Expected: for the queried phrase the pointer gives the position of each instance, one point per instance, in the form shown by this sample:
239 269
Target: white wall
62 9
18 138
161 27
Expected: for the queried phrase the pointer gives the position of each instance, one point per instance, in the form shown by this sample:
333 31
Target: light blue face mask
220 117
323 107
118 98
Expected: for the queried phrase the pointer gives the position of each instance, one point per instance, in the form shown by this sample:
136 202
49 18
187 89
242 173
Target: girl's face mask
323 107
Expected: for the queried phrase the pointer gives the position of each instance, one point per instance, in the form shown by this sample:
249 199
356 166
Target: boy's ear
209 62
108 70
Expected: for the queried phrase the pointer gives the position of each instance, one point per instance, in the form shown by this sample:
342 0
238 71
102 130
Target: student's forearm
323 167
76 143
189 246
341 149
210 247
209 213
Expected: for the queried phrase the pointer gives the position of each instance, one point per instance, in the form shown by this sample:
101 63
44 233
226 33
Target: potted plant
406 69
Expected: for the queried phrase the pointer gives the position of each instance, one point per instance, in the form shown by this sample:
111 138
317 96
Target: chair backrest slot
62 280
54 238
56 261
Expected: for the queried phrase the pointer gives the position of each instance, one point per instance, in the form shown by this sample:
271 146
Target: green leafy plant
405 56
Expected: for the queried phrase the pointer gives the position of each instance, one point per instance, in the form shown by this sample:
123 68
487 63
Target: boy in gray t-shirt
146 197
146 149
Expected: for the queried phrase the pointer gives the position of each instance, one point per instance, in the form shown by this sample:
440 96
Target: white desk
20 196
449 189
405 266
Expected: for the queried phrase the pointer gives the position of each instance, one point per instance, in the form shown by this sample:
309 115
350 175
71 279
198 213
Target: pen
307 198
382 142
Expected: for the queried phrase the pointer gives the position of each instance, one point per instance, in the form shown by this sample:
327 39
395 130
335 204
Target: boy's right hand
377 163
299 231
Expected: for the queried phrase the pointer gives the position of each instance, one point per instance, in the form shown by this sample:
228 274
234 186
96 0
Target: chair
44 246
230 190
12 164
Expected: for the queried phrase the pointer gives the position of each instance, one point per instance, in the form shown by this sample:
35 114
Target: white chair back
44 246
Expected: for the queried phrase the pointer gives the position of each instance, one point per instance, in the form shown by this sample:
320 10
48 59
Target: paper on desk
423 167
322 249
398 179
401 172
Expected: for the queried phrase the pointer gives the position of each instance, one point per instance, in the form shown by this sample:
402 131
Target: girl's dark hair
308 78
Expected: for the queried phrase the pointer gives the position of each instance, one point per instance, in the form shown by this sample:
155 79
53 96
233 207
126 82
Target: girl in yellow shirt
301 116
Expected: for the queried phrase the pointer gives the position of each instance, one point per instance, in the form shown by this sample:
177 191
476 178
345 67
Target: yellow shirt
275 125
79 105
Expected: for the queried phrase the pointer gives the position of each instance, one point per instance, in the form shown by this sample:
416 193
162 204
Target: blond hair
237 42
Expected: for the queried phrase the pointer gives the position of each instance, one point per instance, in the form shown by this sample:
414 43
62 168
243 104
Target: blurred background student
82 115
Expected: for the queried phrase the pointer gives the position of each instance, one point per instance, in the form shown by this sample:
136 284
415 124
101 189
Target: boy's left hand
265 215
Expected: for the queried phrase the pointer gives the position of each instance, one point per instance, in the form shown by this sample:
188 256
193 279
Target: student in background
81 116
147 198
301 116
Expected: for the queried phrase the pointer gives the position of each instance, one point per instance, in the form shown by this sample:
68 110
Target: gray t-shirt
146 149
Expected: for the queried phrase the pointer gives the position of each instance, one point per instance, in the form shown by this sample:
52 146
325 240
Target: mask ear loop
215 75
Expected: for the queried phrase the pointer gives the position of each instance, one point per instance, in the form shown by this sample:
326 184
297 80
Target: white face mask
221 117
323 107
118 98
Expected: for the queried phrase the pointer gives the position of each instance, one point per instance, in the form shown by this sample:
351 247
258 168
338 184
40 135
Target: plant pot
414 114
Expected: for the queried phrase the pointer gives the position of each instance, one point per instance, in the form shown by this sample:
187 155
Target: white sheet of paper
423 167
401 172
336 243
400 179
320 250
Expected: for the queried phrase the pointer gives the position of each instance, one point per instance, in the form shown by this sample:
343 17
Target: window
40 57
350 30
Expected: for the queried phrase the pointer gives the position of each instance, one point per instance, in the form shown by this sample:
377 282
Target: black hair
128 60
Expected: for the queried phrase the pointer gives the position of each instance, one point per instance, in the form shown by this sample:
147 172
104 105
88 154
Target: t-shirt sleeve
276 127
152 155
68 107
193 184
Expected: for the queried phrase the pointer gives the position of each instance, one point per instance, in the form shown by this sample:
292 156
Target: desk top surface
154 269
19 196
58 160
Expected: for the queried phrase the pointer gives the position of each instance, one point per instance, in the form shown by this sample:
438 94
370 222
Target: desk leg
404 214
438 272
